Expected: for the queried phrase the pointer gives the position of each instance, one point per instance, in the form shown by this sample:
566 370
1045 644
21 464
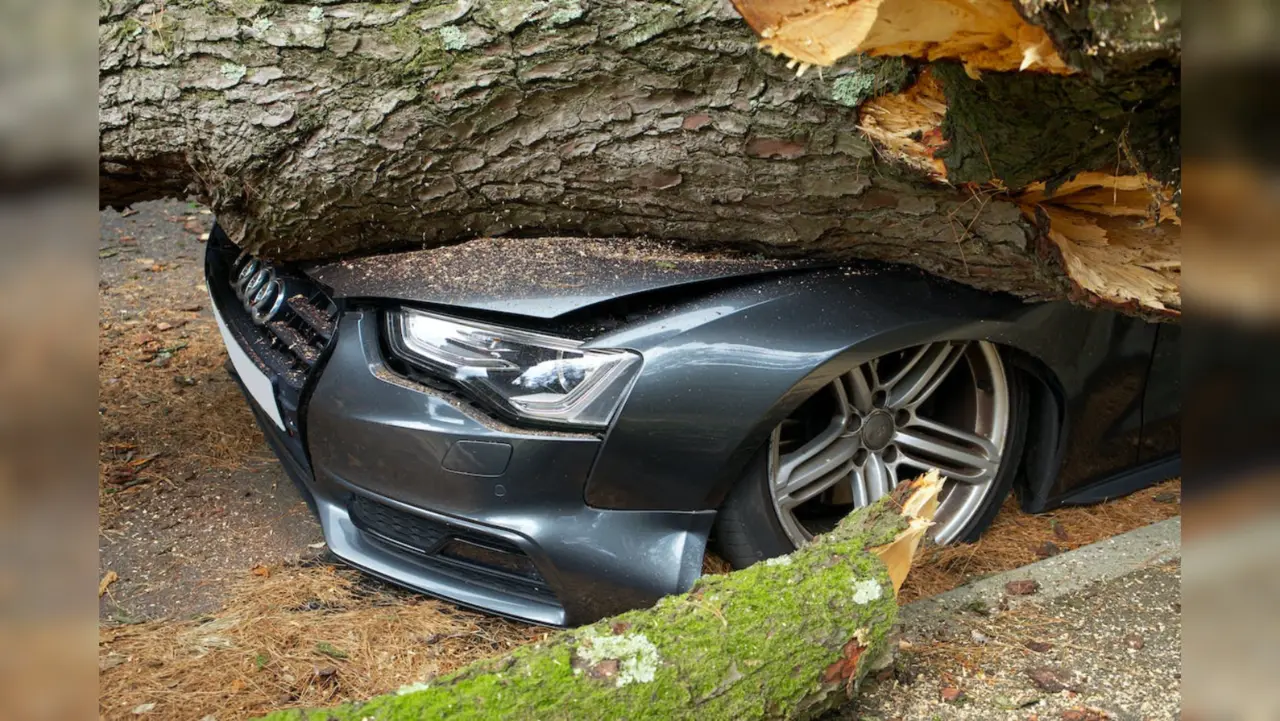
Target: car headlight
534 376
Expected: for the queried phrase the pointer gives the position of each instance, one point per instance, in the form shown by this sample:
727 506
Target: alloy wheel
941 405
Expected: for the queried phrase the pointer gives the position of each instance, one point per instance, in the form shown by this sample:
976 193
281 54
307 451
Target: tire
750 527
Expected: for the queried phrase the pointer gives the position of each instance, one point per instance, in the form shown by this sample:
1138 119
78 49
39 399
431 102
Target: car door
1162 402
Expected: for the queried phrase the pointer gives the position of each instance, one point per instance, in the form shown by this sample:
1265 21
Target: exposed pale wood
981 34
908 125
1119 237
920 508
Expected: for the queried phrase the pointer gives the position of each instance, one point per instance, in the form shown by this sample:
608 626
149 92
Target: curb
1072 571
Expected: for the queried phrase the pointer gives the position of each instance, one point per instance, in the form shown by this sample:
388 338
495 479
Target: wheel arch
1046 427
1046 421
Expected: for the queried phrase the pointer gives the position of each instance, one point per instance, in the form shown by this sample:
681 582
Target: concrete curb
1072 571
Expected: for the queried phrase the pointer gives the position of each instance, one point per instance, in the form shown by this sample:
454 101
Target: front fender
722 371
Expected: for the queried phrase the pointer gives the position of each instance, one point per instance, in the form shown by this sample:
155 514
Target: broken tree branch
788 637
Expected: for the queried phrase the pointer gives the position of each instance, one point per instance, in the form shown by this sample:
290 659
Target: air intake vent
466 554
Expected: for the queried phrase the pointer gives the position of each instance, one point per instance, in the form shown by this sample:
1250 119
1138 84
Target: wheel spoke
842 401
799 482
886 418
923 373
860 387
957 454
872 480
861 493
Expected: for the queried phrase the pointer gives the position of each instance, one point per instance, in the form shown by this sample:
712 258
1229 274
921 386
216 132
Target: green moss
423 50
850 90
130 27
1063 124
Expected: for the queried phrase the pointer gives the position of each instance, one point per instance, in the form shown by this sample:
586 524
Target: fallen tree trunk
786 638
341 127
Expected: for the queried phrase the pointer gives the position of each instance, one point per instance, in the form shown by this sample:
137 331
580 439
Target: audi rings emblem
258 288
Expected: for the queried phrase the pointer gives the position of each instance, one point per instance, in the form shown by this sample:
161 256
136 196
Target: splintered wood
919 509
981 34
908 125
1119 237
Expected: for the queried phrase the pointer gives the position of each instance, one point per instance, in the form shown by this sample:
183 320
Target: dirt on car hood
537 277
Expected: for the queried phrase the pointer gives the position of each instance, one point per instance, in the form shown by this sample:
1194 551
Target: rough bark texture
1111 36
786 638
341 127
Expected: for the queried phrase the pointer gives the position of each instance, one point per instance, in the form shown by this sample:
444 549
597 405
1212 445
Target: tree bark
321 130
786 638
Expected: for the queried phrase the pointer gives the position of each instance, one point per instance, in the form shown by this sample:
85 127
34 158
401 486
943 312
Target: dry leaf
108 578
1025 587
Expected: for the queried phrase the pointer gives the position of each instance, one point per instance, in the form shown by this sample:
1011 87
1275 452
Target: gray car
555 430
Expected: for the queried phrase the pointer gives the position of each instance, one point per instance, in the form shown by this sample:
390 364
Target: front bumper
413 485
376 439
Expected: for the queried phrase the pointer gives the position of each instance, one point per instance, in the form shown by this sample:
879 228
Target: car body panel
1162 405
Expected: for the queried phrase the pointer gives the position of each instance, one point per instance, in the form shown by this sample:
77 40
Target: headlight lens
532 375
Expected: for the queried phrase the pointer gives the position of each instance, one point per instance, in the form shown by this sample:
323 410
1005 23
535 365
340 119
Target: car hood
541 278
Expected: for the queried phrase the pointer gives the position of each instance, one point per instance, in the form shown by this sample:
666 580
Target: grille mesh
417 533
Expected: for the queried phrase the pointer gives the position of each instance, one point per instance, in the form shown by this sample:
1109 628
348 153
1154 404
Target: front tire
950 405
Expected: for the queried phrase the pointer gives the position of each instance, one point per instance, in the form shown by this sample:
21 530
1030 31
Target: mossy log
786 638
331 128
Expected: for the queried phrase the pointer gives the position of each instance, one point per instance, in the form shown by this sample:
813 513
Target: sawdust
533 267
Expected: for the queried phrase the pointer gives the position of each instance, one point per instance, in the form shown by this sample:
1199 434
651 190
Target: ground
1111 650
218 596
190 495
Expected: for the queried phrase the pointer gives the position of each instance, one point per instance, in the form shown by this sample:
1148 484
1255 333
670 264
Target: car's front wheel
949 405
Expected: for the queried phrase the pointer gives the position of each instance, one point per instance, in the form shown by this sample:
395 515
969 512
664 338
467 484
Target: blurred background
48 529
48 217
1231 432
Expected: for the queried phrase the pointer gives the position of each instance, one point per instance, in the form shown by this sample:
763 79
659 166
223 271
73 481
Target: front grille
285 332
467 555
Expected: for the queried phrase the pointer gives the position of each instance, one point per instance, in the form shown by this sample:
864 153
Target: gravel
1111 650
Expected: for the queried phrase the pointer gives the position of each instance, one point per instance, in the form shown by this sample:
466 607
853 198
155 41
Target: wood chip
108 578
1052 680
1025 587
